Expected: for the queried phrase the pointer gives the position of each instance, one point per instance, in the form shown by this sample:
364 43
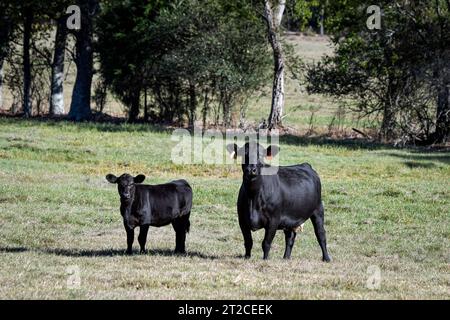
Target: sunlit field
386 212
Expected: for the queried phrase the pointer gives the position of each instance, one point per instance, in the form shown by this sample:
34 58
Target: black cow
277 199
153 205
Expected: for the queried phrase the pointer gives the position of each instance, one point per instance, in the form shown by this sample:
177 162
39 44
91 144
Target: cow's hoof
247 257
179 252
143 252
129 252
326 259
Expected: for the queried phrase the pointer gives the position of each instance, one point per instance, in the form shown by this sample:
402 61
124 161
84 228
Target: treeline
398 73
36 64
183 61
169 60
163 60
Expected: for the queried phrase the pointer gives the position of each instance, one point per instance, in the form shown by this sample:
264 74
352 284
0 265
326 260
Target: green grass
385 207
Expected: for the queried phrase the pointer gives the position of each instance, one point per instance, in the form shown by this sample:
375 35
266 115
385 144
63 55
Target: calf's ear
139 178
111 178
272 151
232 148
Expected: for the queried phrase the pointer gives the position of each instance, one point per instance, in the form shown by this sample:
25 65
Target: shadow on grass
104 252
168 253
13 250
105 123
422 159
421 165
111 124
352 144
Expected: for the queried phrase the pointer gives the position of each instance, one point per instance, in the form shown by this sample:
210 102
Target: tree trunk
134 106
205 110
28 19
273 24
387 124
5 33
442 132
226 108
321 20
57 97
389 111
80 107
145 105
1 82
192 103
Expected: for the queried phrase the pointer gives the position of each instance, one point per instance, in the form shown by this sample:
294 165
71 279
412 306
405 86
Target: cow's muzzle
251 172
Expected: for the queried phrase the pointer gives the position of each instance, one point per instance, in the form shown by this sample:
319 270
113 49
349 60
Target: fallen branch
362 133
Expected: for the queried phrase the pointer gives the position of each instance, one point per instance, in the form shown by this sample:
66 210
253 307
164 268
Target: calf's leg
181 226
290 238
130 239
142 238
317 220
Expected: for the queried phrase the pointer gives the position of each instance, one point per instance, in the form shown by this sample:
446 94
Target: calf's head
125 184
253 155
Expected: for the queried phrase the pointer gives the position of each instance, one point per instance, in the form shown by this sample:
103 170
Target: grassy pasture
386 209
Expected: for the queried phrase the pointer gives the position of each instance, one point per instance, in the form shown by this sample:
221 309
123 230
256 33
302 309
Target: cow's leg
181 226
130 239
290 238
142 238
317 220
248 240
268 238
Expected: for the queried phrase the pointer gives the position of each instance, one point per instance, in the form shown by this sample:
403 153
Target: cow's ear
272 151
111 178
232 149
139 178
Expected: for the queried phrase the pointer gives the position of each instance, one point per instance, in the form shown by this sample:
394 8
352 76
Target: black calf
153 205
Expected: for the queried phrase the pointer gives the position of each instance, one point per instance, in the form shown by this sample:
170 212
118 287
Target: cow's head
125 184
253 155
